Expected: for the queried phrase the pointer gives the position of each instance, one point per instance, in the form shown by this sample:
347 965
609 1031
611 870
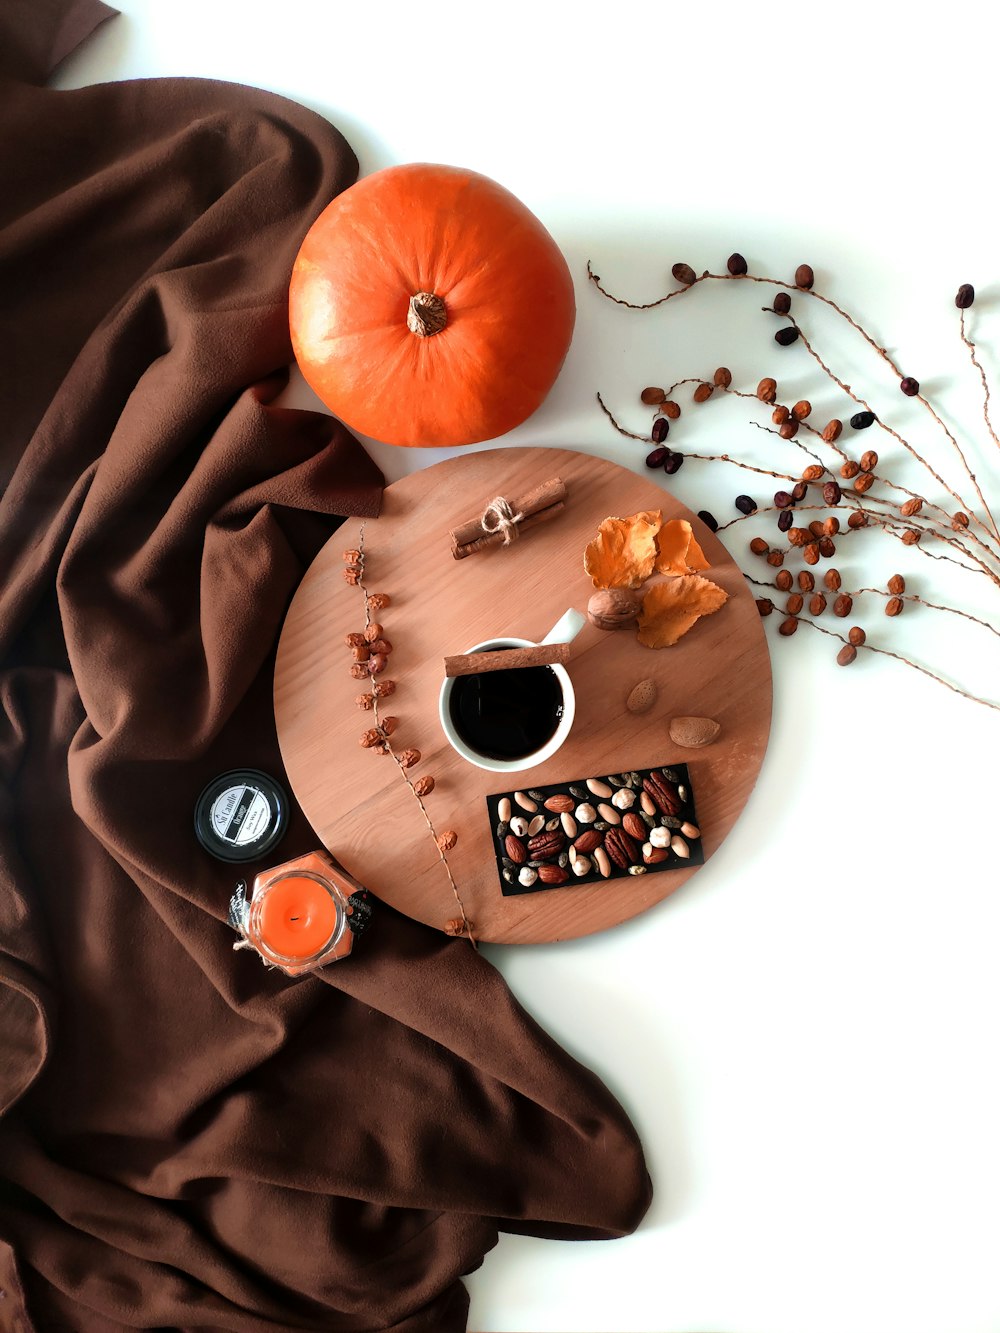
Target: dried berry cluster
839 482
370 650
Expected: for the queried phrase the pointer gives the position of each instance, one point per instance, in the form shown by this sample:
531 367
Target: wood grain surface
359 803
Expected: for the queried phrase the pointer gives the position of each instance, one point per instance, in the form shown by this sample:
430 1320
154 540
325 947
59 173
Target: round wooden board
358 802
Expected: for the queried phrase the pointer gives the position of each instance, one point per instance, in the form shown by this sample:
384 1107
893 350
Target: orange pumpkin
428 307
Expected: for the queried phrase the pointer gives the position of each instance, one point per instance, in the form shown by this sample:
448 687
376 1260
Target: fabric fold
187 1140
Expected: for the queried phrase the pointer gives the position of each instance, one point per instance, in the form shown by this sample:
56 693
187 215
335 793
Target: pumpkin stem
427 314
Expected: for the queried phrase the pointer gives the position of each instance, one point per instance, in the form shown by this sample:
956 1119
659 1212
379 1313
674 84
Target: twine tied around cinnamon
498 516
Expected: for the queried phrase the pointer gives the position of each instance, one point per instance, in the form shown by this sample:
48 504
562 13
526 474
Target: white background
806 1035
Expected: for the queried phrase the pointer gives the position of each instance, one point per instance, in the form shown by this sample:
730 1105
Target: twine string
498 516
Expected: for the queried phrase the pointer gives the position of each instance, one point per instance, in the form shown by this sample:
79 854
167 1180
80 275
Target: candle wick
295 918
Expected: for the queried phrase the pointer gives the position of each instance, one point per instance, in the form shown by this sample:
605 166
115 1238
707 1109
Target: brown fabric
188 1141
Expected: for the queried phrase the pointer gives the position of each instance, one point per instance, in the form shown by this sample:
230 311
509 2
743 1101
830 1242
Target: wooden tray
357 801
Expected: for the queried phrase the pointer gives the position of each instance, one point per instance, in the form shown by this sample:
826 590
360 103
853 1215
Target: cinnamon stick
496 538
506 659
541 498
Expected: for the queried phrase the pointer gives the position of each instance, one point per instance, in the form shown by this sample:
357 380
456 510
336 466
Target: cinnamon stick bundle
537 506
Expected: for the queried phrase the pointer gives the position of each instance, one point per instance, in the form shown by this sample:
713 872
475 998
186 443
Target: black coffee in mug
507 715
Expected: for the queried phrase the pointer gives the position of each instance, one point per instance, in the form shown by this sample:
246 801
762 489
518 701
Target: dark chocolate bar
594 830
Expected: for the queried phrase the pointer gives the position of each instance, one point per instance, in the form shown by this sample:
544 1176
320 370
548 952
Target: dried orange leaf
677 552
624 551
670 608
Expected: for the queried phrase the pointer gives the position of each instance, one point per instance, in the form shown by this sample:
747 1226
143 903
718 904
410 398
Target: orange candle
298 917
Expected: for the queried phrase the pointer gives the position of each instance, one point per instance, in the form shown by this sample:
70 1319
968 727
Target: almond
632 824
642 697
560 804
552 875
588 840
693 731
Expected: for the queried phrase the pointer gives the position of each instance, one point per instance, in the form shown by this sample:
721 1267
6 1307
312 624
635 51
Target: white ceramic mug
563 631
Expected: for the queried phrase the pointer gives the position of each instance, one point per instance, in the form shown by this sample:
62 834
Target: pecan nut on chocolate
548 843
662 793
622 849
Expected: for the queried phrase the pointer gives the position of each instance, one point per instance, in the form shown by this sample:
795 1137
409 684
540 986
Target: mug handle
566 628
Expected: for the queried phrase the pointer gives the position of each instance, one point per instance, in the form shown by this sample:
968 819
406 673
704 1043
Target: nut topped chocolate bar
589 830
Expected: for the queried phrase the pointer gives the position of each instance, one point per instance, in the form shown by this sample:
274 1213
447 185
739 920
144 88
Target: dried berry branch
378 737
857 486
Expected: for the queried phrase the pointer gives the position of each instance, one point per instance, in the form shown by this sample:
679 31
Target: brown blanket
188 1141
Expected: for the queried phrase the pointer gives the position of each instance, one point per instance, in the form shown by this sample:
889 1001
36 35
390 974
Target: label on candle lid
241 815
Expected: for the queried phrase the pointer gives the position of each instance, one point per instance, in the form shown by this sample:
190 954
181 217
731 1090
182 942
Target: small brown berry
447 840
684 273
370 737
424 786
804 276
965 296
780 415
858 519
832 429
810 553
847 655
373 632
789 430
782 303
671 409
831 526
849 469
816 528
653 397
959 520
799 491
383 688
788 626
826 548
897 584
911 507
785 520
832 579
759 546
377 663
842 606
736 264
456 926
785 337
767 391
856 635
354 640
389 725
863 482
660 431
894 606
831 493
361 653
813 472
806 580
352 575
798 536
365 701
802 409
909 386
783 581
703 392
910 537
382 646
765 606
723 377
794 604
817 604
378 600
869 460
776 558
352 557
359 670
408 758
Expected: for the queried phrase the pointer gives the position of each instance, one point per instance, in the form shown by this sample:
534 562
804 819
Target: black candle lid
241 815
